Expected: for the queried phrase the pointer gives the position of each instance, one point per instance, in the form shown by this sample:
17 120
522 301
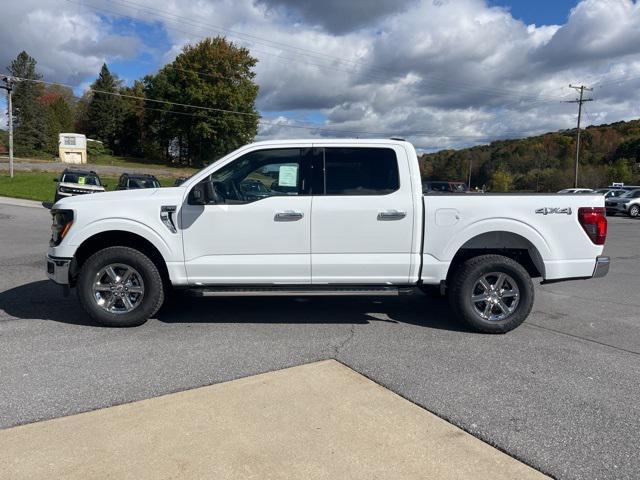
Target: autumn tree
217 76
59 108
501 180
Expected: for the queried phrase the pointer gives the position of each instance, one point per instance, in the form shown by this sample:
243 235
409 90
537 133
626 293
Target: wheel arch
507 243
120 238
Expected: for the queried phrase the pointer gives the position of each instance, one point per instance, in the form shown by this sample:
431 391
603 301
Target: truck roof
321 141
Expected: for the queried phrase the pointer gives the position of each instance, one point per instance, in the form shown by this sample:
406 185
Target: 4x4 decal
549 211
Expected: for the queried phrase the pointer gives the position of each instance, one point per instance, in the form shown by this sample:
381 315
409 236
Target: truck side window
360 171
260 174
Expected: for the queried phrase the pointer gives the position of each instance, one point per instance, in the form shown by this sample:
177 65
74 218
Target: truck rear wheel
120 287
491 293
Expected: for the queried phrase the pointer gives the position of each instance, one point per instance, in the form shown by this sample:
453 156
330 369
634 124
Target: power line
309 126
621 79
468 86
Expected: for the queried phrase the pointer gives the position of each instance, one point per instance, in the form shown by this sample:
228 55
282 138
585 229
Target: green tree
215 74
105 112
620 171
28 111
59 119
133 136
501 180
59 104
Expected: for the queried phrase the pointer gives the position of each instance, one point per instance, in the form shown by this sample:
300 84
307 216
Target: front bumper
58 269
602 267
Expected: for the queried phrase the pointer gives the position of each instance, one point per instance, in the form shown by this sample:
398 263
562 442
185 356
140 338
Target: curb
19 202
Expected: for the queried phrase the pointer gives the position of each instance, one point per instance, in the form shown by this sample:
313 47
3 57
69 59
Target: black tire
634 211
464 284
153 289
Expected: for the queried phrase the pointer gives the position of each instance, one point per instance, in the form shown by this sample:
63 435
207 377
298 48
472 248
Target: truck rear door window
360 171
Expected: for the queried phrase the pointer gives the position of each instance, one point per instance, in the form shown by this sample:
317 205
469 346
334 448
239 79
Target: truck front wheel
491 293
120 287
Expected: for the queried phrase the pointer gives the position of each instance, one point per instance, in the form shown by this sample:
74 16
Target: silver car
627 203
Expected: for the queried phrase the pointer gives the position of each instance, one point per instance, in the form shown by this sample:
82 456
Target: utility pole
9 87
579 101
470 164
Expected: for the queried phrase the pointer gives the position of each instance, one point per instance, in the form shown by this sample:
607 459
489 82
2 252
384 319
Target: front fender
77 237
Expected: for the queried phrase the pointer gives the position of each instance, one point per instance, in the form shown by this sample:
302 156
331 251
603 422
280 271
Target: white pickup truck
321 217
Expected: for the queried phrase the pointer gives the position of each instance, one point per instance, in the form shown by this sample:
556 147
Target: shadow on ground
43 300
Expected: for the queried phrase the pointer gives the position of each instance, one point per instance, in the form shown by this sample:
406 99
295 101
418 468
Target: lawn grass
135 164
40 185
138 163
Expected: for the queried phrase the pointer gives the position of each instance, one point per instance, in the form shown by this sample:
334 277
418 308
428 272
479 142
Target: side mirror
105 185
197 195
55 180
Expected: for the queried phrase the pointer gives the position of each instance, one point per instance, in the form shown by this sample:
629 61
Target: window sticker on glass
82 180
288 176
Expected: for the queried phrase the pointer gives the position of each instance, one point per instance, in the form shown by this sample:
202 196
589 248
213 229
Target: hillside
544 163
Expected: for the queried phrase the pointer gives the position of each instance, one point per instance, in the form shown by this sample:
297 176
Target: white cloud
68 42
460 70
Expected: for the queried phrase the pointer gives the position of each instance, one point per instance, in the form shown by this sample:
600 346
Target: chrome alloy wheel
118 288
495 296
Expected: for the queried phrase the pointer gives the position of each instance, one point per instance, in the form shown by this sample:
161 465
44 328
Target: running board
303 291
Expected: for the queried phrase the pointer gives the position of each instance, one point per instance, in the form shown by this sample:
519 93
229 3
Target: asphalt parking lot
559 393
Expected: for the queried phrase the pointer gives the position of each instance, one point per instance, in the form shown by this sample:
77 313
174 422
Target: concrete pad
316 421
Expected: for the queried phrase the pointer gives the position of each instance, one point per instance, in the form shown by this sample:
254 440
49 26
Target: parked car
625 187
353 221
444 187
179 181
628 203
132 181
77 182
610 192
574 191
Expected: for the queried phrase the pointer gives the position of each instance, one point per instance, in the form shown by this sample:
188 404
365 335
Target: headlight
65 190
62 221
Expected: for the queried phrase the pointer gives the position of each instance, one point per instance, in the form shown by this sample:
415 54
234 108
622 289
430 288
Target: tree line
150 118
544 163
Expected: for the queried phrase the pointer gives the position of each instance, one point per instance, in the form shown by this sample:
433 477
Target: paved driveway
560 393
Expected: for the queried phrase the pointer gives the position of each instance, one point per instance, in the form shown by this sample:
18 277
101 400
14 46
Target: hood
78 186
107 198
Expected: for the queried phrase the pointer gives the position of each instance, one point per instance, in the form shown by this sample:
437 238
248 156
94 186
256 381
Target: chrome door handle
288 216
391 215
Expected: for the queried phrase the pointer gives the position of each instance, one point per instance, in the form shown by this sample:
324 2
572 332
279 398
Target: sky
441 73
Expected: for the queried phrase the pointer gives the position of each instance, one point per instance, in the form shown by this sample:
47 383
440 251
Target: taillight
594 222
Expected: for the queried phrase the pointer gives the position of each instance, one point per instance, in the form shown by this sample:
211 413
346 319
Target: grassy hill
544 163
